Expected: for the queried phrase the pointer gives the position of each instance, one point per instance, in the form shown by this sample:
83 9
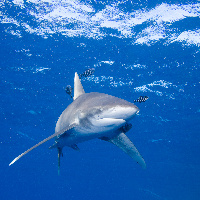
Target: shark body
93 115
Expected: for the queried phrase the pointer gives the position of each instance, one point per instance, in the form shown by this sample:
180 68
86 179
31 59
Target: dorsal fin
78 88
59 154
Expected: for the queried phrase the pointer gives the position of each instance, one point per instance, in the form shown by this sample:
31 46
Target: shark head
119 109
97 113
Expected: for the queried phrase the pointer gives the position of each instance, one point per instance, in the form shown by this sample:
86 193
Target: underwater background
138 48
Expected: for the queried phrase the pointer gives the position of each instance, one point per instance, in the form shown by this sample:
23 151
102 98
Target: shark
93 115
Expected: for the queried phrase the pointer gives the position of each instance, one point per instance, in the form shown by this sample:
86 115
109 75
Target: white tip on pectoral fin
124 143
78 88
43 141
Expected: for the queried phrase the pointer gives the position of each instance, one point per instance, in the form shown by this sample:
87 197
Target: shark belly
106 127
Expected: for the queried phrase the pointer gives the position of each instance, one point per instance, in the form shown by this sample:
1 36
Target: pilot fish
141 99
68 90
87 73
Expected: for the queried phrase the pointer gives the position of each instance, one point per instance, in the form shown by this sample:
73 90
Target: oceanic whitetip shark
93 115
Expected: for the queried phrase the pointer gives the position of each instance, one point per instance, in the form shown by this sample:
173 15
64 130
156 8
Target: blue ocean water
138 48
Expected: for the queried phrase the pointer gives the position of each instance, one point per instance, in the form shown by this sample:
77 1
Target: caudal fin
59 154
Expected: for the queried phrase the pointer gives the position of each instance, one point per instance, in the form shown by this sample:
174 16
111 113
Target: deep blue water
137 48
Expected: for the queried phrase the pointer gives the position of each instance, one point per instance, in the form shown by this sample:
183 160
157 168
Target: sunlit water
137 49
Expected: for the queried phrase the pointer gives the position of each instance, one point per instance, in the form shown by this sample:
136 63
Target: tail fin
59 153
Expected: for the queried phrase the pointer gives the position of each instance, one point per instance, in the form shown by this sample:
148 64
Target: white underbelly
105 127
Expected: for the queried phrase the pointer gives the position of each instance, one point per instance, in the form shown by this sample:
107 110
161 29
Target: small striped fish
68 90
141 99
87 73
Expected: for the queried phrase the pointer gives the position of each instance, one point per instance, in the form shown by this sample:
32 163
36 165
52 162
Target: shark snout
121 112
129 112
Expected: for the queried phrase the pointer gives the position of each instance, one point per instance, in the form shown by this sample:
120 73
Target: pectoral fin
43 141
124 143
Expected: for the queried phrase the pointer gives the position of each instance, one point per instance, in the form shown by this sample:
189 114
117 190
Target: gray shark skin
93 115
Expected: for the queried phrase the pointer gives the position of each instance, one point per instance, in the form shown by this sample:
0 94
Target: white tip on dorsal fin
78 88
